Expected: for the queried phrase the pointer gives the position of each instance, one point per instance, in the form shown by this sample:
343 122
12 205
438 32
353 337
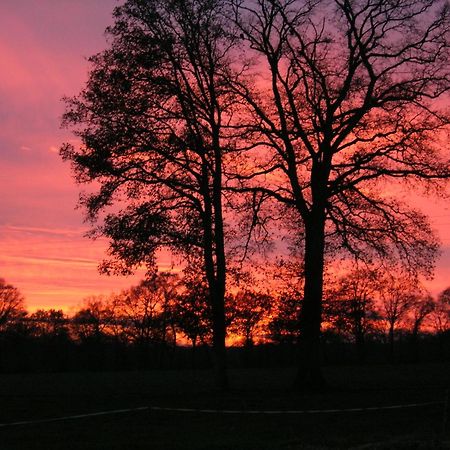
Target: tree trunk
216 285
219 349
215 267
194 352
415 342
391 341
360 347
219 244
217 301
310 374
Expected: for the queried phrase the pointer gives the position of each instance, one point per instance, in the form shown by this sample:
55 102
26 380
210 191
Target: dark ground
41 396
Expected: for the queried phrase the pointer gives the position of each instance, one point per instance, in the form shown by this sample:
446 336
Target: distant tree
441 313
283 323
93 321
168 285
144 311
249 308
12 315
350 306
49 324
345 99
398 295
192 310
151 122
421 308
440 320
12 305
48 342
444 297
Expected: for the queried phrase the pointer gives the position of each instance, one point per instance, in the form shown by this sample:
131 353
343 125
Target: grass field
42 396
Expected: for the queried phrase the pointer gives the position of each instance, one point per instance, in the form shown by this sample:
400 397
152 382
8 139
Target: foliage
441 313
147 131
249 309
350 307
49 324
283 324
325 109
151 120
145 312
192 310
93 320
345 100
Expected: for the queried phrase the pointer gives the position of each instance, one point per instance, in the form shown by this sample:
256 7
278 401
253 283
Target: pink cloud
57 267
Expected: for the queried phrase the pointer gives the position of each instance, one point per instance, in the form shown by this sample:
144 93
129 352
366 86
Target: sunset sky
43 46
43 49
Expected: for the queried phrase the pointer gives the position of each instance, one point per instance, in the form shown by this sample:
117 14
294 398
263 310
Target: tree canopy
151 123
350 99
324 109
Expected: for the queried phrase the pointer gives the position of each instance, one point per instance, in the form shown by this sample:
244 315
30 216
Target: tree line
217 129
148 322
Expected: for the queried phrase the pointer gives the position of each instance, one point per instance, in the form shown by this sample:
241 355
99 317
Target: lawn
42 396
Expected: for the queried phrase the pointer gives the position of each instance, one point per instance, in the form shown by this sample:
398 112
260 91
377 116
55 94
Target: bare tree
338 101
350 306
151 121
422 307
94 320
249 308
11 304
50 324
441 313
345 100
144 311
398 295
192 311
283 323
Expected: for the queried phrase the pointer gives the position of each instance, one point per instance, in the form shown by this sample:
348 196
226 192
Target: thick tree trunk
217 298
220 273
391 342
219 348
360 336
310 374
194 353
360 347
215 268
415 343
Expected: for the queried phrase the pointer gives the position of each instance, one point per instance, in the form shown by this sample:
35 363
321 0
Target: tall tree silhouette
348 99
151 124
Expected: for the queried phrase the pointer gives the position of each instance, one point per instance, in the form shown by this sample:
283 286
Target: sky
43 49
44 45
